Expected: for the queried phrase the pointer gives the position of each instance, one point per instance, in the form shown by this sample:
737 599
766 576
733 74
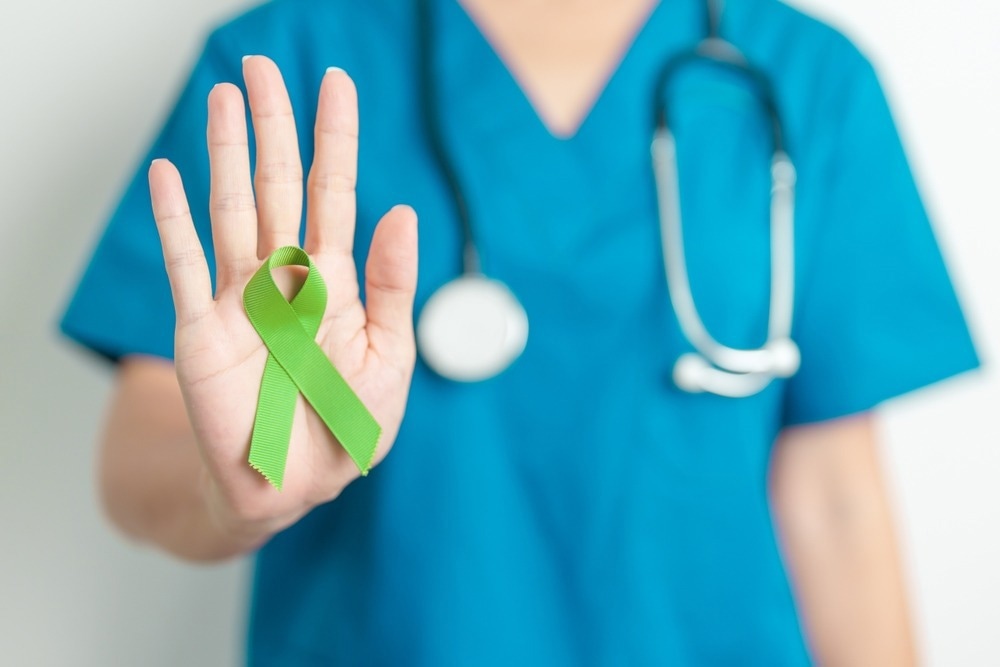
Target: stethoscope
473 327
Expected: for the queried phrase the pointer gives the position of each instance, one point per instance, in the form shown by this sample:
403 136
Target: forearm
837 534
153 482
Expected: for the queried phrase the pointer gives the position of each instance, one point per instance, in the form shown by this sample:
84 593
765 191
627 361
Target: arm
174 465
830 503
153 483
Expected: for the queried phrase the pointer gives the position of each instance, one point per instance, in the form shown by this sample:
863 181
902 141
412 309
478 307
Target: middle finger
278 175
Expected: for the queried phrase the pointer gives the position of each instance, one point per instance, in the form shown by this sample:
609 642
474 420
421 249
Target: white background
85 84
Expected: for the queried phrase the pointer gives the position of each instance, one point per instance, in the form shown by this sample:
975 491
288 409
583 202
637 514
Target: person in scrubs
578 508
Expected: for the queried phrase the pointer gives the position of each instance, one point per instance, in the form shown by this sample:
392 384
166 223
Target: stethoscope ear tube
714 367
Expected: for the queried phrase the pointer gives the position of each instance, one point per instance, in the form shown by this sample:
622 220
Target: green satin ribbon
297 364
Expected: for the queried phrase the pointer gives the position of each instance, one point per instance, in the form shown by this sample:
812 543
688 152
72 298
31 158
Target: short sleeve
122 304
877 314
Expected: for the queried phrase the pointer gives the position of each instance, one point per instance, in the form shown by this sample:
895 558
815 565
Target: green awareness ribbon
295 364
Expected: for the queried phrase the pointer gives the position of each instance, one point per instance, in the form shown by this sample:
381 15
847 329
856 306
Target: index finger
183 255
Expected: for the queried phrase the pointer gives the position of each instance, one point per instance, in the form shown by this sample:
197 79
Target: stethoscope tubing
736 360
712 367
431 114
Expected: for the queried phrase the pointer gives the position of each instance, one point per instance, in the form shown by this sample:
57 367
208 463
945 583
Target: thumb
390 284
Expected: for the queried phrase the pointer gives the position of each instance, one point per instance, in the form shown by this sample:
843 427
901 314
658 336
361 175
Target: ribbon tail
272 426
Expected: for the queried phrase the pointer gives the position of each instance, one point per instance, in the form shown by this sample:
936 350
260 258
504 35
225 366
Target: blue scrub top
578 509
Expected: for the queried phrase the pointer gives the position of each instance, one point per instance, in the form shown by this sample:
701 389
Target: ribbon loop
296 364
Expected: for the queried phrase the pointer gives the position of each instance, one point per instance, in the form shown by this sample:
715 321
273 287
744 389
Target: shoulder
312 15
309 28
822 78
808 57
771 29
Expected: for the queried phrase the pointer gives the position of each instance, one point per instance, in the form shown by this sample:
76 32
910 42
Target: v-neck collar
516 177
479 91
606 80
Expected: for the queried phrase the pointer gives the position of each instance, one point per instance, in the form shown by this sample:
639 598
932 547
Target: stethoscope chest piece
471 329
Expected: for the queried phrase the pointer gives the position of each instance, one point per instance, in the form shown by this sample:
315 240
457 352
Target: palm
219 356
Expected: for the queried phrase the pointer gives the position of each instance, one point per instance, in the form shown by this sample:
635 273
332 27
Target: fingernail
334 69
399 207
246 58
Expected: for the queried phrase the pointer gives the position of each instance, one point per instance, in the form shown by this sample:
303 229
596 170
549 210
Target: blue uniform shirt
578 509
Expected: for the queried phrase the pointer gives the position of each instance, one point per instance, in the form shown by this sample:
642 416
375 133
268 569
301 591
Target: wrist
239 534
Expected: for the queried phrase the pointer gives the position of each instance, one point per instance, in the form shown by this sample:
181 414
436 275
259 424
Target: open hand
219 357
